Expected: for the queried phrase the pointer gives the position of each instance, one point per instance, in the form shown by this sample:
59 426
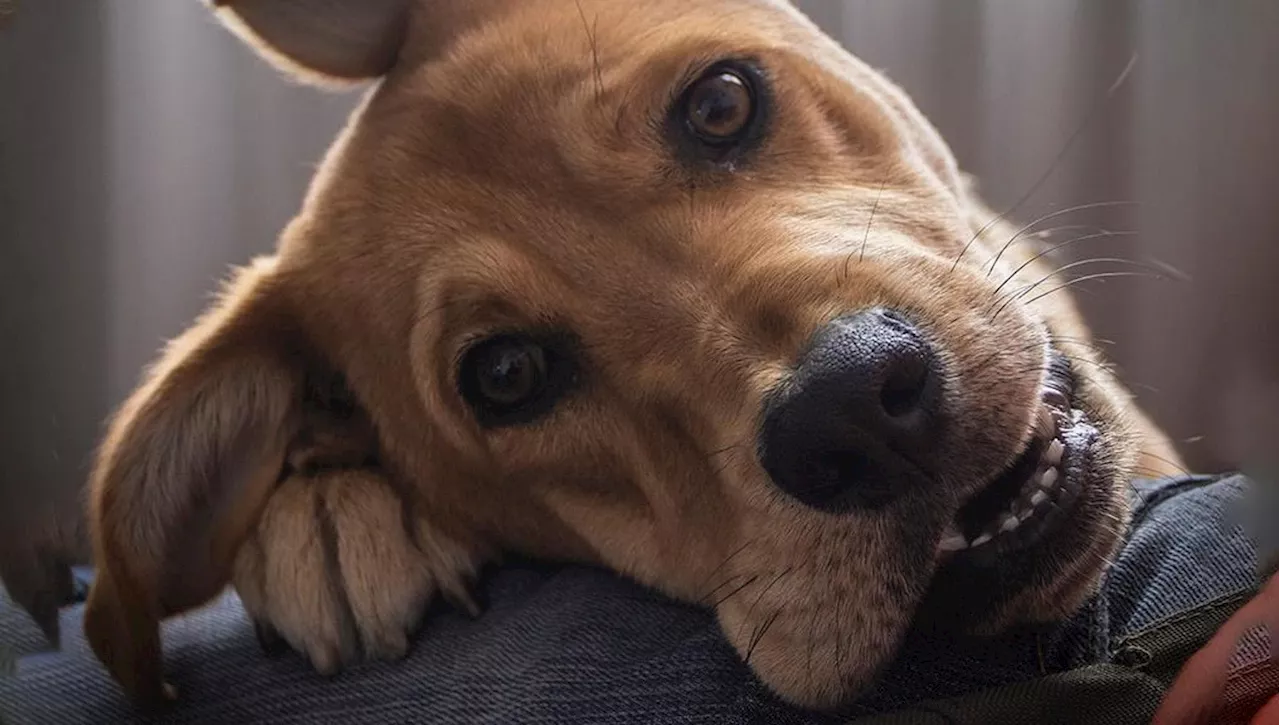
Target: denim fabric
579 645
1150 579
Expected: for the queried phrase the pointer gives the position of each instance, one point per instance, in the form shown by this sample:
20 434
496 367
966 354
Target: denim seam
1228 601
1223 602
1150 499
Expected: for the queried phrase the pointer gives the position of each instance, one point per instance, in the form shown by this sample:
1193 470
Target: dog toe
334 571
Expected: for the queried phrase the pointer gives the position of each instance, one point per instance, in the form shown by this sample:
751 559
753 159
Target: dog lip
1044 505
1029 500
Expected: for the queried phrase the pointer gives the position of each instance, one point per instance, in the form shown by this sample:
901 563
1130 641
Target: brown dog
679 288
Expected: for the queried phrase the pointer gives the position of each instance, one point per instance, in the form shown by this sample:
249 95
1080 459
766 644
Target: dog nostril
904 390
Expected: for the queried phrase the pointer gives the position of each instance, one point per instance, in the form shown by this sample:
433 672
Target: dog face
678 288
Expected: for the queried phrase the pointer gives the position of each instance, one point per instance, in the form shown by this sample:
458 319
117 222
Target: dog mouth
1032 498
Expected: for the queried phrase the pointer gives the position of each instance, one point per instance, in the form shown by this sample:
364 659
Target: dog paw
340 572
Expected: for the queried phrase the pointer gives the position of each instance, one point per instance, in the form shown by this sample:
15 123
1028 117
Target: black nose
856 422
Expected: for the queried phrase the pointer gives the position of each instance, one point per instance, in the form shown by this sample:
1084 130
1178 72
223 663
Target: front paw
335 571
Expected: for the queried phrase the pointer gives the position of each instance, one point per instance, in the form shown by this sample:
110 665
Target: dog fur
305 439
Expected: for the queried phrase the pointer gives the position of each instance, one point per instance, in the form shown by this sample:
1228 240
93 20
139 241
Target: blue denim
580 645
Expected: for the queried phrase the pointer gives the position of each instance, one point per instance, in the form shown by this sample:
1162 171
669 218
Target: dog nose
854 425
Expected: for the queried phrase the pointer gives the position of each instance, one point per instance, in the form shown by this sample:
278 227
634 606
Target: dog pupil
720 105
509 375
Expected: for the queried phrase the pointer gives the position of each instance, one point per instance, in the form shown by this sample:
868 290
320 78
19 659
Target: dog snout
857 422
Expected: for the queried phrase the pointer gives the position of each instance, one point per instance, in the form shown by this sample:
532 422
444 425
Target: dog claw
269 639
469 601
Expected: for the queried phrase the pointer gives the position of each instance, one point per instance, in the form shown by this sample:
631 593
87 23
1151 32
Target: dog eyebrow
689 72
700 64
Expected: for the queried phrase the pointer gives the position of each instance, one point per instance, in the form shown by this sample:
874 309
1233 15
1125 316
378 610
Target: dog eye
719 106
511 378
721 115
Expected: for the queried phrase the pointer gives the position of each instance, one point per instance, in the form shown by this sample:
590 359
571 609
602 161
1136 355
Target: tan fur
372 593
509 171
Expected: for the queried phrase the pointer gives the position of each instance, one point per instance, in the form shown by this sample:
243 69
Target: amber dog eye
720 106
721 116
512 378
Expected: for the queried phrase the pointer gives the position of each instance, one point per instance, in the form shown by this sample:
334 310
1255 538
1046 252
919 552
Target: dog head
678 288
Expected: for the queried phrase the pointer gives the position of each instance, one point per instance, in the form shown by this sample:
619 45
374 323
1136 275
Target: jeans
581 645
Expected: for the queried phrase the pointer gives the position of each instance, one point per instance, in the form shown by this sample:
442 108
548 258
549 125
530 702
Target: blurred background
143 151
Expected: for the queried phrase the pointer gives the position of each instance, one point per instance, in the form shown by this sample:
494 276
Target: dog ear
321 40
187 465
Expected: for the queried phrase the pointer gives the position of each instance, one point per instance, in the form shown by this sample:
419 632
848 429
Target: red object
1267 714
1196 697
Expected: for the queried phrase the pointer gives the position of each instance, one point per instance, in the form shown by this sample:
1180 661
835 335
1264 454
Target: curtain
1187 142
143 151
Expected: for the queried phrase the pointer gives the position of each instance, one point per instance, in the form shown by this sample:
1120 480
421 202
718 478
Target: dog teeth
1039 489
1053 453
1060 418
1045 425
1048 478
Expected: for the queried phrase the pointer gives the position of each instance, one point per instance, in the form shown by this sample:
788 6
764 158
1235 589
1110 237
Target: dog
679 288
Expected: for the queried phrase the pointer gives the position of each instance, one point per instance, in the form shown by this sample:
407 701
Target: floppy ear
321 40
186 467
335 41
